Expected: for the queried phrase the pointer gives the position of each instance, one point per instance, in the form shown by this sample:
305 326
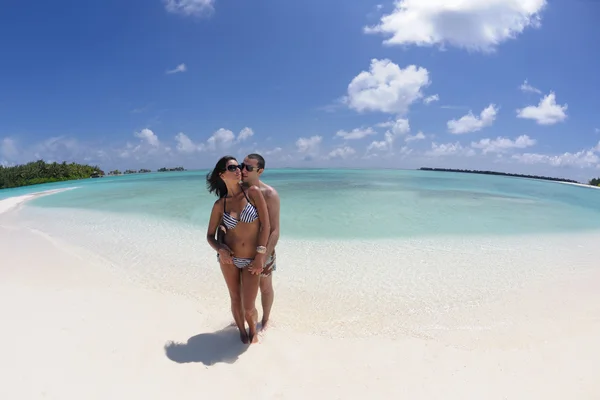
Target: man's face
250 164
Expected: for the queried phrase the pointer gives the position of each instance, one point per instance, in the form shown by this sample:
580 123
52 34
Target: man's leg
267 294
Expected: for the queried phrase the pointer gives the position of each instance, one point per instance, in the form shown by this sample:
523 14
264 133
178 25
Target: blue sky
508 85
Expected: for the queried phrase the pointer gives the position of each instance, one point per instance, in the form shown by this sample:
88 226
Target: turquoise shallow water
343 204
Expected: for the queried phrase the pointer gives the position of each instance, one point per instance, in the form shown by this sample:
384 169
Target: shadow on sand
208 348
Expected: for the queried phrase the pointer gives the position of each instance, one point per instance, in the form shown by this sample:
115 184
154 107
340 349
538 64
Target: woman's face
232 172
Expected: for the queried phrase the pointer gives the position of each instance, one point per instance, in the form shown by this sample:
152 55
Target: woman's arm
213 224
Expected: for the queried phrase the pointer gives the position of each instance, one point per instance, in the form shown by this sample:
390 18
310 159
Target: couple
244 229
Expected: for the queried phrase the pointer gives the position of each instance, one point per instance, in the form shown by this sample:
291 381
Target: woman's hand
258 264
225 254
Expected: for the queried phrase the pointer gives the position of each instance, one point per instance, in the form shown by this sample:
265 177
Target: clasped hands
256 267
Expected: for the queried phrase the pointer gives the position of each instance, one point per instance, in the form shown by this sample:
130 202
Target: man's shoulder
268 190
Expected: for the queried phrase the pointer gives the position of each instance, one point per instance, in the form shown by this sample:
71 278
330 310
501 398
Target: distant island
129 171
594 182
144 171
37 172
163 169
469 171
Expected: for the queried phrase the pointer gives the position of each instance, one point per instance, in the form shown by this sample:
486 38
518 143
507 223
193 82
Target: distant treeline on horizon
469 171
38 172
145 171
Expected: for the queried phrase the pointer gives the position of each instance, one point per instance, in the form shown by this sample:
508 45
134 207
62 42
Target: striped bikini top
248 214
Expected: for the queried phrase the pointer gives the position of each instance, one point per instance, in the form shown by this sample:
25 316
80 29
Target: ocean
352 204
414 252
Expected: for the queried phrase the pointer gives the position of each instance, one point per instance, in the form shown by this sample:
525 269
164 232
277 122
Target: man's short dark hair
259 159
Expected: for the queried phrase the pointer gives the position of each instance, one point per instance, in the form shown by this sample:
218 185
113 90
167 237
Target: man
253 167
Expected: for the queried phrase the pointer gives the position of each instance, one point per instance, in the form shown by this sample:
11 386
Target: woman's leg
232 276
250 284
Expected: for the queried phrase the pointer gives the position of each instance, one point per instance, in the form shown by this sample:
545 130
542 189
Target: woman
241 254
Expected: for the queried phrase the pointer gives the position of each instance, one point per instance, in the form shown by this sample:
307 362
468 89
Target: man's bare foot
244 336
264 325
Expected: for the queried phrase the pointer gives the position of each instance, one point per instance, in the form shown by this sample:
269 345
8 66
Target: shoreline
580 185
200 228
10 203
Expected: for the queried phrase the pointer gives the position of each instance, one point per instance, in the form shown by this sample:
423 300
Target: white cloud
478 25
149 146
431 99
185 144
581 159
471 123
190 7
57 142
451 107
357 133
148 136
386 87
449 149
418 136
382 145
222 138
383 149
397 128
400 127
8 149
547 112
586 158
177 69
276 150
57 148
526 87
309 146
245 134
342 152
502 144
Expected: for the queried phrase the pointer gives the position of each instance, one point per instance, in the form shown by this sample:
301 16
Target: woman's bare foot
244 336
253 336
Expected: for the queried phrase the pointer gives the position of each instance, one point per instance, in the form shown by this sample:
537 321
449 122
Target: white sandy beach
75 328
581 185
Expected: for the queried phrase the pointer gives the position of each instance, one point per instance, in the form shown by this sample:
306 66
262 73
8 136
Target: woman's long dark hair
214 183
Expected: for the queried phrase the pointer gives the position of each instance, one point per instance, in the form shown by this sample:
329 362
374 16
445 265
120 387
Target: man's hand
257 265
225 254
269 267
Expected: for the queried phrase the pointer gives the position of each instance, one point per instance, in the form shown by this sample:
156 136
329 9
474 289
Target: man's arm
273 206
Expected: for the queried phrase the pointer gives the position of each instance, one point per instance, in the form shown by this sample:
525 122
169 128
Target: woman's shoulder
218 201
